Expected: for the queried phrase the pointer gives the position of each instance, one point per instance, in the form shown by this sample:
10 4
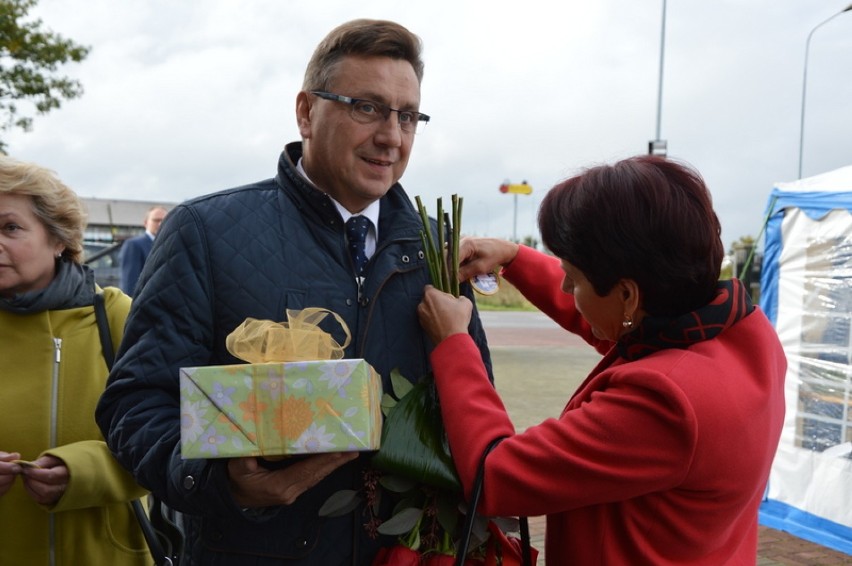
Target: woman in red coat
662 455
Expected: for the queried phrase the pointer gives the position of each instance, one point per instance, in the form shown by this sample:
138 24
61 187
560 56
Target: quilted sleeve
170 326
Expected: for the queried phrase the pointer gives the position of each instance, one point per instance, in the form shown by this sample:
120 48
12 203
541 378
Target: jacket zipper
54 403
54 389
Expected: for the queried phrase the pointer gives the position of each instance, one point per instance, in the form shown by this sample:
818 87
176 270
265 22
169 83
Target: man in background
135 251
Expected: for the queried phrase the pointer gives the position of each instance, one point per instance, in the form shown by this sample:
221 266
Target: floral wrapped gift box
279 409
294 397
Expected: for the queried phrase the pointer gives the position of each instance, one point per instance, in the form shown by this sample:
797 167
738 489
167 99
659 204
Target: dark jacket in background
256 251
134 252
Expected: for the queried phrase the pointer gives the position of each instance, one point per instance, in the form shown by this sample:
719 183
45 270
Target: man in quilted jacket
258 250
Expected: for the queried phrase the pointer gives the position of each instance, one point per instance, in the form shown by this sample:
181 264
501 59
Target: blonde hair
54 204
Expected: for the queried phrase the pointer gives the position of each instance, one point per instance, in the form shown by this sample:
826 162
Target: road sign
518 189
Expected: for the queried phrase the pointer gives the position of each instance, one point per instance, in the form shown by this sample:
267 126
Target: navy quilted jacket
255 251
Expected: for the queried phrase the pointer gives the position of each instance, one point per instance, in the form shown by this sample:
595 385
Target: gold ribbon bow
298 339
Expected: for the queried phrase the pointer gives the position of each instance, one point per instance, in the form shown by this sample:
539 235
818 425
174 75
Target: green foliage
743 242
29 59
727 271
507 298
530 241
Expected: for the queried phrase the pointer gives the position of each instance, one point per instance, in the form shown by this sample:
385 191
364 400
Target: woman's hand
47 482
8 470
252 485
443 315
484 255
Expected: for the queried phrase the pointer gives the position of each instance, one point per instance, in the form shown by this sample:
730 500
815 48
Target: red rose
397 556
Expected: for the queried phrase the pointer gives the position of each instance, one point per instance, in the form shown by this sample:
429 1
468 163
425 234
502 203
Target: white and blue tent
806 290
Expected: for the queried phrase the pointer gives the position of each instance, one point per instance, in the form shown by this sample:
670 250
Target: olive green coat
52 373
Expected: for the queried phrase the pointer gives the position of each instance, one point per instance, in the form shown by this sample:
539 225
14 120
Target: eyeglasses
369 112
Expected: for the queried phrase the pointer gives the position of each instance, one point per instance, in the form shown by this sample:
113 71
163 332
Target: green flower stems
443 267
454 275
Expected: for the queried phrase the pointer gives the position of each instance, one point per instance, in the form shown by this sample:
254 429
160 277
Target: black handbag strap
157 552
467 530
103 329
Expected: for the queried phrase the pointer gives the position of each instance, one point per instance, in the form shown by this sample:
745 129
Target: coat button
188 482
348 302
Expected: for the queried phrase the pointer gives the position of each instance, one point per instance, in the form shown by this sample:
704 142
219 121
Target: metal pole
515 224
660 85
805 83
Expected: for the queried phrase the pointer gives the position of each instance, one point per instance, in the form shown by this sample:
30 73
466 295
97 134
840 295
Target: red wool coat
663 460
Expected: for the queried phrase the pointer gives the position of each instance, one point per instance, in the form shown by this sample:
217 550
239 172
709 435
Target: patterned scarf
730 304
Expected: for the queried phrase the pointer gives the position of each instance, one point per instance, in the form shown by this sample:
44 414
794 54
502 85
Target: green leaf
402 522
397 484
401 386
413 441
340 503
388 403
412 499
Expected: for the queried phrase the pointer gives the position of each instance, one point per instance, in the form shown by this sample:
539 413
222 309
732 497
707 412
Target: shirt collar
371 212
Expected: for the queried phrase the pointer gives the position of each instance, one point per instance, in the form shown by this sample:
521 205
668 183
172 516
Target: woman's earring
628 322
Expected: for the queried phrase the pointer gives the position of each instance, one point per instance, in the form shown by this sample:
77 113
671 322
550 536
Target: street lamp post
658 146
805 83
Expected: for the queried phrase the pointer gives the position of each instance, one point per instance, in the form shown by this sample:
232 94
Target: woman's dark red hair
645 218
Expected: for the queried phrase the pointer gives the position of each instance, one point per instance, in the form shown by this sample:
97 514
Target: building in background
110 223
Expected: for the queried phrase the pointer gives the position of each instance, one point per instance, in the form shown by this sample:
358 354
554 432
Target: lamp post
658 146
805 83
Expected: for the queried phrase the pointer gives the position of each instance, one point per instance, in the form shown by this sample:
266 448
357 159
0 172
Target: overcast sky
186 97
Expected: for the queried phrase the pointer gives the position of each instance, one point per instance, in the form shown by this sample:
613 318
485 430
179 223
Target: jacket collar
396 213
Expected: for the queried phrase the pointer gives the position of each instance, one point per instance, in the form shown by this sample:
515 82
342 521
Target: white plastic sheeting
806 290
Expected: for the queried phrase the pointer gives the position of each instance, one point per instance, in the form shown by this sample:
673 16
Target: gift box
285 407
277 409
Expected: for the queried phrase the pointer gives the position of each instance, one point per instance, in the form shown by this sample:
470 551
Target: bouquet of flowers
414 464
413 441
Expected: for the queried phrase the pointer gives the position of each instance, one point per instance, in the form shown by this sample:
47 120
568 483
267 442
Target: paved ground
538 366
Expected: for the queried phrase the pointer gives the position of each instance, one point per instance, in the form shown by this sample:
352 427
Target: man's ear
303 114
